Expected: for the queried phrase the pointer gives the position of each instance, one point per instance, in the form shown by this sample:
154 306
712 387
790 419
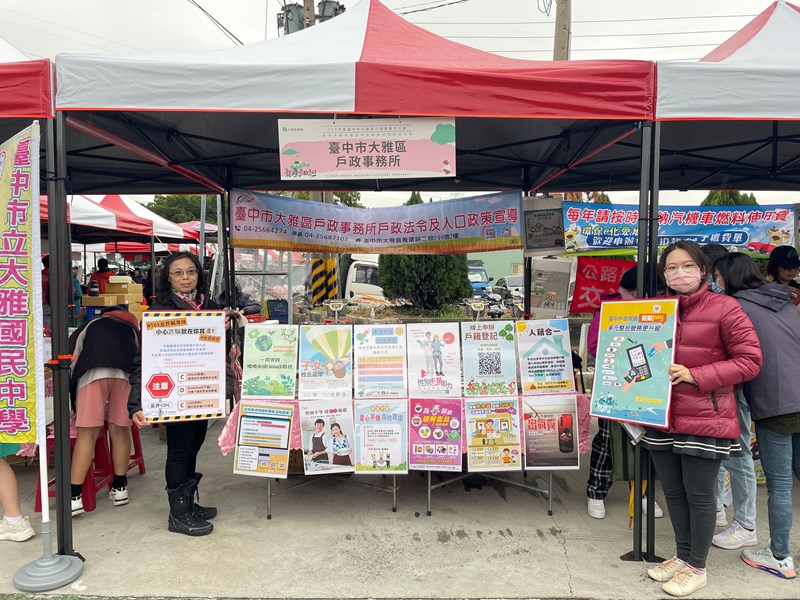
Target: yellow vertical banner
21 356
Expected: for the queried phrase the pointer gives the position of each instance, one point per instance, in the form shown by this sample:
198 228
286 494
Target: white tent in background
753 75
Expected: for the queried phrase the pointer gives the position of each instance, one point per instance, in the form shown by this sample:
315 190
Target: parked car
508 284
479 280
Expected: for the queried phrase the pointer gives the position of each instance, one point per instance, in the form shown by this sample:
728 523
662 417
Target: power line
606 49
408 12
219 25
593 35
71 39
83 33
549 24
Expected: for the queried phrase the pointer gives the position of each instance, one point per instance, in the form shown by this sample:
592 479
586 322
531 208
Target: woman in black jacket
182 286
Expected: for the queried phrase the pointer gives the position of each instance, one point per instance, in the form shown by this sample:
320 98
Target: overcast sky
628 29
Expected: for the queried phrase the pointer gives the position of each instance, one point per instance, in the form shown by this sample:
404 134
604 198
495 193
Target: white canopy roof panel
753 75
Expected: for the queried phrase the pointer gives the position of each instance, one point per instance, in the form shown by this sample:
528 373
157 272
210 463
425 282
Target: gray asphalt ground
333 538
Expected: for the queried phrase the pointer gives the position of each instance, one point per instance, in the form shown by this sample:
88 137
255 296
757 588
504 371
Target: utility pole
563 29
309 15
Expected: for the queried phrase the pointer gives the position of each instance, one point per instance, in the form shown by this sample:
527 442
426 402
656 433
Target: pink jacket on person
716 341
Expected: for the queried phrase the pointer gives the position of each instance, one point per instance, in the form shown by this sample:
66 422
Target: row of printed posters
399 361
394 435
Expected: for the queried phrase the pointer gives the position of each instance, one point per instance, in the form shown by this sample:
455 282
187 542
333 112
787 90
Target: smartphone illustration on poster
640 368
566 442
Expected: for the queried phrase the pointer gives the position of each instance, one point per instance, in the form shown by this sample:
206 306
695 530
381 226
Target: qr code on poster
488 363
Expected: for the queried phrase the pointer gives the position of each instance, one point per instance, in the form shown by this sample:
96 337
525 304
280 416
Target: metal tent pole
643 231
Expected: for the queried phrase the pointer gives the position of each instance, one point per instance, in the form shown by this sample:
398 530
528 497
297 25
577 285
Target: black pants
690 488
183 443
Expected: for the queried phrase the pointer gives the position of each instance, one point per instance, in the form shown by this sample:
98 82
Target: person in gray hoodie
773 398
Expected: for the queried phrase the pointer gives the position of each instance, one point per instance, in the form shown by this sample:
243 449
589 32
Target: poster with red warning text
183 365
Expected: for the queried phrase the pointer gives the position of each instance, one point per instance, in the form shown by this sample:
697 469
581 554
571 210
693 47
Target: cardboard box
124 288
102 300
128 299
120 279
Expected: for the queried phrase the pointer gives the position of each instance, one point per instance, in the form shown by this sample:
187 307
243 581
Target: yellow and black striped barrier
318 281
184 418
332 278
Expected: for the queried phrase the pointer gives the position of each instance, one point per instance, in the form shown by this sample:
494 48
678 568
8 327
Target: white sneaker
722 518
656 509
16 533
77 506
684 582
734 537
118 496
597 508
666 569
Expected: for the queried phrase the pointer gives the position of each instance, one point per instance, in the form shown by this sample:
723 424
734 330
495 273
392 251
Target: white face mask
684 283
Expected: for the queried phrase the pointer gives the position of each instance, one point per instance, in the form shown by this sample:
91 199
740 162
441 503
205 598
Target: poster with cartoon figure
380 361
493 437
634 351
325 369
435 434
381 436
328 436
490 359
545 356
434 360
270 361
550 425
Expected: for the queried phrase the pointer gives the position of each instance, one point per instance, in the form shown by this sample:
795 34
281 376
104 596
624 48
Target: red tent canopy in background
159 227
211 229
25 85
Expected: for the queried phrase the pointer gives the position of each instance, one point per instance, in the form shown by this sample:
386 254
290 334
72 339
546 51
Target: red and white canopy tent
728 121
157 226
199 122
518 122
25 90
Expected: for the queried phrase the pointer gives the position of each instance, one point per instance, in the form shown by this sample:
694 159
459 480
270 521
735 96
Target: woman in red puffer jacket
716 348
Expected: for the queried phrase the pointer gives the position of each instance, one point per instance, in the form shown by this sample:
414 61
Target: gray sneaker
762 558
734 537
16 533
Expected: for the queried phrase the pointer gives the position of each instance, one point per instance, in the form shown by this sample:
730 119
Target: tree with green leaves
596 197
728 198
427 280
351 199
180 208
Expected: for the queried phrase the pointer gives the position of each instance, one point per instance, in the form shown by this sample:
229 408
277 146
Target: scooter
487 303
514 303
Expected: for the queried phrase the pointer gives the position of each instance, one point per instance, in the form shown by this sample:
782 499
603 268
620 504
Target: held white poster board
183 365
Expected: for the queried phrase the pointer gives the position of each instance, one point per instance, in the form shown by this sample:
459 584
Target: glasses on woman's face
190 273
687 268
790 269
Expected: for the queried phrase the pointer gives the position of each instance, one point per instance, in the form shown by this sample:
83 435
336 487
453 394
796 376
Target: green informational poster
634 352
270 361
